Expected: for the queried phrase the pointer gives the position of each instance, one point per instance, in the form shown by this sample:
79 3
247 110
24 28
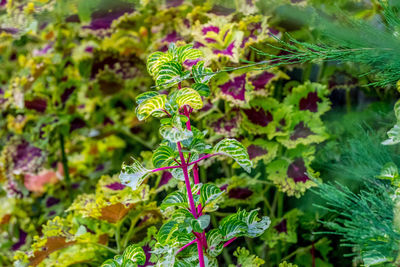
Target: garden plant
250 133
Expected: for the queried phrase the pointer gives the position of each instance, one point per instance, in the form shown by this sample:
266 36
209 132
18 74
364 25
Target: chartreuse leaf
244 258
110 263
209 196
163 156
176 198
190 97
151 106
155 60
135 254
201 74
187 52
235 150
167 232
170 73
133 175
144 96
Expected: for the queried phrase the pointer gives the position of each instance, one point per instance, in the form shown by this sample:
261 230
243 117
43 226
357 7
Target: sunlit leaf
135 254
190 97
235 150
133 175
151 106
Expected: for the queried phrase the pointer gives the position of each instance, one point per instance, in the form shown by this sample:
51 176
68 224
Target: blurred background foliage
70 71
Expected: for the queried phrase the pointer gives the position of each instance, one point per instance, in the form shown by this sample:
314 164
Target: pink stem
204 157
229 241
165 168
187 181
191 202
185 246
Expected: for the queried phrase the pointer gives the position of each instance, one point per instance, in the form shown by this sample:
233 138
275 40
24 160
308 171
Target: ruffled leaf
133 175
235 150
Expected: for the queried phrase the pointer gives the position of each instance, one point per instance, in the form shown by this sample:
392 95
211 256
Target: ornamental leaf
214 242
201 74
177 199
201 223
209 196
135 254
110 263
170 73
151 106
144 96
133 175
202 89
235 150
155 60
163 156
175 132
394 135
167 232
231 227
186 52
190 97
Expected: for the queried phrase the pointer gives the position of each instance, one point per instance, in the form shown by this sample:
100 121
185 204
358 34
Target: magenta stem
201 255
229 241
185 246
187 181
165 168
204 157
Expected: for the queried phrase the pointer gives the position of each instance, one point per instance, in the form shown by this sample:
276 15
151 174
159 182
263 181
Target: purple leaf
38 104
300 131
310 102
207 29
21 241
260 81
240 193
116 186
165 178
259 116
235 88
281 227
51 201
255 151
227 51
297 171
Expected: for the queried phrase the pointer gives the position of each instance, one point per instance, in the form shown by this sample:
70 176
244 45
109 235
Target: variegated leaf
177 199
135 254
201 223
235 150
214 242
232 227
255 226
187 52
201 74
151 106
167 232
133 175
190 97
169 74
174 134
110 263
209 196
155 60
144 96
202 89
163 156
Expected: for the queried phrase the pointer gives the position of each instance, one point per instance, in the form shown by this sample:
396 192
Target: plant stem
118 237
185 246
165 168
204 157
191 202
187 181
229 241
64 161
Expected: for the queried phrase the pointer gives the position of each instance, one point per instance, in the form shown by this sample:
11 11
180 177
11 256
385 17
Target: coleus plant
182 148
